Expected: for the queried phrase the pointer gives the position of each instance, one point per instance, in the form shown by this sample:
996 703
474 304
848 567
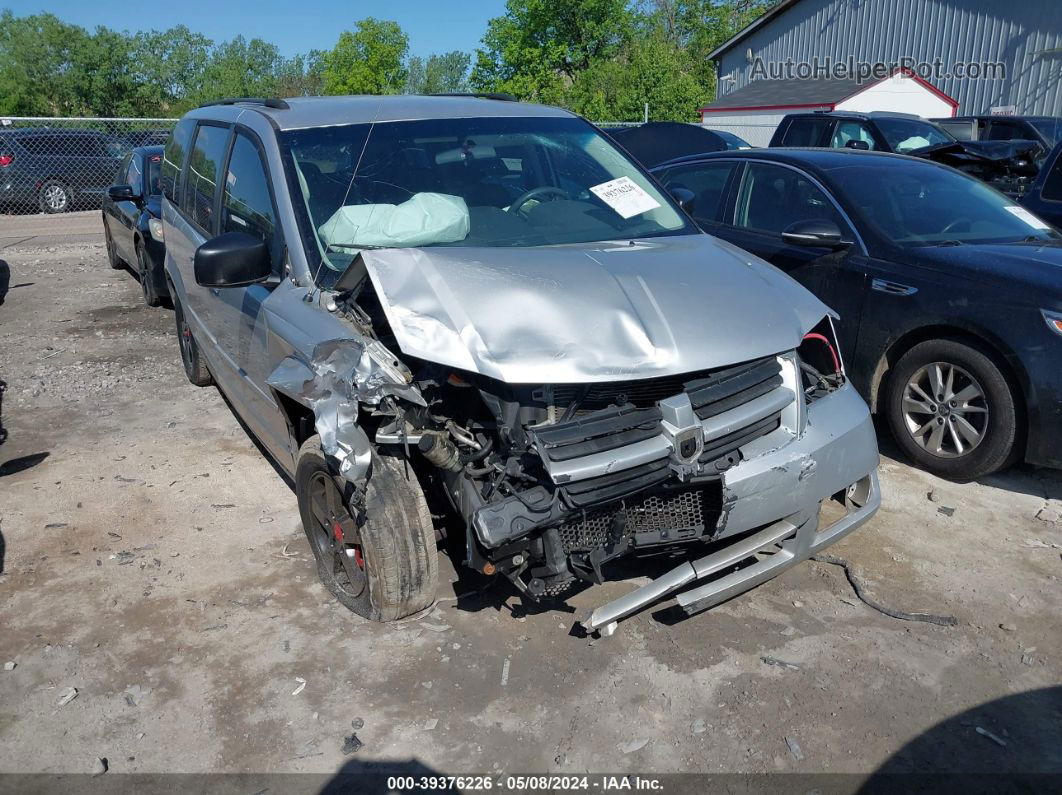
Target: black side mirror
815 233
122 193
862 146
684 196
234 259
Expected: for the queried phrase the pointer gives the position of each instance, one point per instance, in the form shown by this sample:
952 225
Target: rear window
805 132
173 160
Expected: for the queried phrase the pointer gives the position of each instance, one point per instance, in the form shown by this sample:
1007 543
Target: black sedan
132 221
949 294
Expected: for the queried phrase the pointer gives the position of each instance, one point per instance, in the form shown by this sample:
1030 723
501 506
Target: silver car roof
305 112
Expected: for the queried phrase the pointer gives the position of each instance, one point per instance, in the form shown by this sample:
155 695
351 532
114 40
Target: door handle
892 288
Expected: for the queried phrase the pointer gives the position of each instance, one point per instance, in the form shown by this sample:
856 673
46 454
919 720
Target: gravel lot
152 559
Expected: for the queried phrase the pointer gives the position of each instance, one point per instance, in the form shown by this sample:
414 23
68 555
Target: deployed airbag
423 219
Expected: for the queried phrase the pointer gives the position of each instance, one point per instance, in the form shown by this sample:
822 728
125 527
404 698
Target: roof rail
497 95
269 102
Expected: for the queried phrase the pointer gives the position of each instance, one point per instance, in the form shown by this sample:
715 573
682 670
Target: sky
295 27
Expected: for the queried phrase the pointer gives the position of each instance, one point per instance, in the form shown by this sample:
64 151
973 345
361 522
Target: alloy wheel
336 534
945 410
55 198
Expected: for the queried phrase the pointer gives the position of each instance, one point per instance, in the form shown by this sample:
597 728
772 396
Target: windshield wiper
943 243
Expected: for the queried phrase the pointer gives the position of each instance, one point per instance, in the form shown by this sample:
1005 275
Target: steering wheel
534 193
954 226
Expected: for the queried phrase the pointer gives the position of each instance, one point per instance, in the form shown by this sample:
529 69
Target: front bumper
771 509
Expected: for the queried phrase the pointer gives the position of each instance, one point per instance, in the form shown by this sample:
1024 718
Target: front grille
659 517
642 392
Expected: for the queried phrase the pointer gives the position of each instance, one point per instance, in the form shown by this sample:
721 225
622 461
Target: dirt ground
152 559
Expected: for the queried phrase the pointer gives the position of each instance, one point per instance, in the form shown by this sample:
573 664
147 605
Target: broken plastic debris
67 695
794 748
994 738
430 724
698 726
351 744
946 511
99 767
505 672
10 666
780 663
301 687
637 744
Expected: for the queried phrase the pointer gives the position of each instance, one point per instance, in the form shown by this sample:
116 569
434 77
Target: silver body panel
779 492
590 312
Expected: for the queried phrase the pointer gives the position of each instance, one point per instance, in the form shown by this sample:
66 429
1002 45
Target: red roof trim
832 105
827 105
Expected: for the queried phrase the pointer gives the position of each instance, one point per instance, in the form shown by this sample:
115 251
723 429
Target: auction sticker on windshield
625 197
1024 215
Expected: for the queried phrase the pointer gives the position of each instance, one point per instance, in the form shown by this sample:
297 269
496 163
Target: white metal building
753 112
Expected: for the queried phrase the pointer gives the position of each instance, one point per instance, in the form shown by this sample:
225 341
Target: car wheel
147 281
54 197
952 410
194 366
112 251
380 563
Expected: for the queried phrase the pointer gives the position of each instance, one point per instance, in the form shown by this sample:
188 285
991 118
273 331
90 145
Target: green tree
539 47
241 68
368 60
439 74
648 70
36 53
301 76
169 68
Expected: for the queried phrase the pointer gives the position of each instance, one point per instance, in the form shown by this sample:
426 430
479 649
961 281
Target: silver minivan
486 305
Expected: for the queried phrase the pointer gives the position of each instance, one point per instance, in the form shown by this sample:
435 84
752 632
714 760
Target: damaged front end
1008 166
722 469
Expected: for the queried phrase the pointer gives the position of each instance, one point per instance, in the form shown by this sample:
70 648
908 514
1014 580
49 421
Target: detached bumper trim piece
786 542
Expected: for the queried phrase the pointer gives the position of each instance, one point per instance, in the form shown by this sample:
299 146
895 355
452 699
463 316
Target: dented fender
338 377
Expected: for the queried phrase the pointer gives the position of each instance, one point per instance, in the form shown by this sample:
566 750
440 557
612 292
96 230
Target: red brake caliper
359 561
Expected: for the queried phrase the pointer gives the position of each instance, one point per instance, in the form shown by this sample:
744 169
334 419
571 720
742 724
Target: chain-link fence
55 165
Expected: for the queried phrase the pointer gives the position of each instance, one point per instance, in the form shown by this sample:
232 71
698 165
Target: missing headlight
819 355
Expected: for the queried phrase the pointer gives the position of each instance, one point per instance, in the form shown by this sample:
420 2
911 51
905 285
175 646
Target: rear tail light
6 160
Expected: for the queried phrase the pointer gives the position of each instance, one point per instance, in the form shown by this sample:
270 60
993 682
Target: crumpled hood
590 312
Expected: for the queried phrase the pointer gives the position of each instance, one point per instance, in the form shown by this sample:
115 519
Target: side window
247 204
707 181
1052 190
173 160
772 198
124 169
204 167
135 177
848 132
805 132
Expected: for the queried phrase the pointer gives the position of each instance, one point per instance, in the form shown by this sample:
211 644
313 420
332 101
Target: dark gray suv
489 303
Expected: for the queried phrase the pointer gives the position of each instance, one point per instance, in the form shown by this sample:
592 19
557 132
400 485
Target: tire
972 435
194 365
112 252
54 197
391 566
147 280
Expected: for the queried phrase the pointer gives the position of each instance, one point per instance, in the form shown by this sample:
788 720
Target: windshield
907 135
916 205
470 182
1050 129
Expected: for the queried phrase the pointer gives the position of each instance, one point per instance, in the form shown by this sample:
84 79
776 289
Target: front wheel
380 563
952 410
